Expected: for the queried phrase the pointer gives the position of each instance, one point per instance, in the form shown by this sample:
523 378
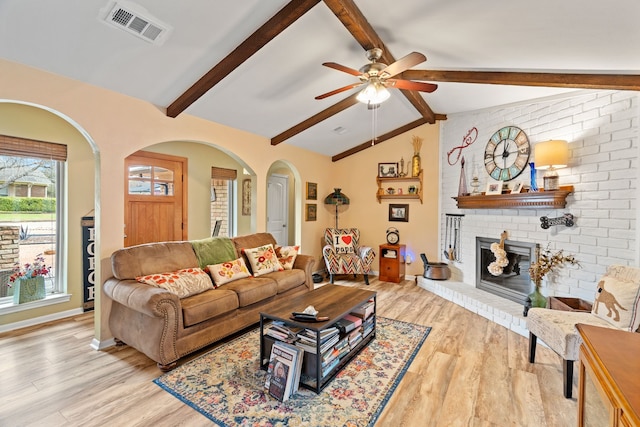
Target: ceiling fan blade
409 85
404 63
342 68
342 89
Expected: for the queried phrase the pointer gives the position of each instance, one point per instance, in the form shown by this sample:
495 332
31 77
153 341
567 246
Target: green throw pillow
214 250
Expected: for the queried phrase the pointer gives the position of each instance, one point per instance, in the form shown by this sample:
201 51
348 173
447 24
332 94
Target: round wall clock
507 153
393 236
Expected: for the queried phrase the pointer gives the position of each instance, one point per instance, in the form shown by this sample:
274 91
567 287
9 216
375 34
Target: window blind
24 147
222 173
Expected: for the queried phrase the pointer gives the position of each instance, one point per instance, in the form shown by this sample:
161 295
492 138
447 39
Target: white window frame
59 291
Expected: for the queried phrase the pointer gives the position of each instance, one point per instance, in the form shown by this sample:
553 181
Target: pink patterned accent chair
343 254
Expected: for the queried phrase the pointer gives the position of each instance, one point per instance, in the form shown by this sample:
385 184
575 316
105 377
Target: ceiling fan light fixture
373 93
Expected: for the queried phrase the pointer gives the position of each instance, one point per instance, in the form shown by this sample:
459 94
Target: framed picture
493 187
399 213
517 187
387 170
246 196
310 212
312 191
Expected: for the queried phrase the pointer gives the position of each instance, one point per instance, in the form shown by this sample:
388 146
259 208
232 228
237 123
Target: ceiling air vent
136 20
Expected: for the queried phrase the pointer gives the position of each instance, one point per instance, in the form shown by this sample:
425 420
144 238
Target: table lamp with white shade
550 156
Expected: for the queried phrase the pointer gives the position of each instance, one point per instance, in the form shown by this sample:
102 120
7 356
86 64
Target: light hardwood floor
469 372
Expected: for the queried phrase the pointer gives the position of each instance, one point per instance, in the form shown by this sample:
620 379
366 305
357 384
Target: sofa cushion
208 305
287 279
228 271
214 250
149 258
183 283
617 301
252 240
262 259
287 255
252 289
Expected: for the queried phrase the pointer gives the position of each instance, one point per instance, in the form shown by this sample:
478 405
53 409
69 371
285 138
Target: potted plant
27 280
546 262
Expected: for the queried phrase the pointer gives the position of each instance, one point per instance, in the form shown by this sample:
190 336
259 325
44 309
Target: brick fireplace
602 130
514 283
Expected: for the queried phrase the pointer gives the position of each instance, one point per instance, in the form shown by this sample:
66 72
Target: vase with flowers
546 262
27 280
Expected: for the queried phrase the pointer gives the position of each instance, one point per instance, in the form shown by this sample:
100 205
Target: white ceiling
275 89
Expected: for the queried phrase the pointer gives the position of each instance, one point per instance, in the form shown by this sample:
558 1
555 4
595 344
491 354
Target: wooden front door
155 209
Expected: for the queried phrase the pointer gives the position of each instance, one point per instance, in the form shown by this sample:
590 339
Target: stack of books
281 332
307 339
365 310
283 373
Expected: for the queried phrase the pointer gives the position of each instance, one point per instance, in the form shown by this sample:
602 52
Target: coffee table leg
261 342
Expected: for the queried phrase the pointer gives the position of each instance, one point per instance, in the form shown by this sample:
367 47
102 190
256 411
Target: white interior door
278 208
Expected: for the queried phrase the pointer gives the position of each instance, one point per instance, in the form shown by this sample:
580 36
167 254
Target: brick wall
9 248
9 254
602 130
220 207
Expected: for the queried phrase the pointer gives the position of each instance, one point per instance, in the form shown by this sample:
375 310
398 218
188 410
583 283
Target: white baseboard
101 345
41 319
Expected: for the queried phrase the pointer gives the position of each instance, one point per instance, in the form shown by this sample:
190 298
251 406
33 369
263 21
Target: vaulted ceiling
256 64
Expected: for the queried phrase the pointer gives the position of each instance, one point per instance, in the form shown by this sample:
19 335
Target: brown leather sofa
165 327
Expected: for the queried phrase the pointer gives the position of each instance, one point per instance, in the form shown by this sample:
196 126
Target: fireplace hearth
514 283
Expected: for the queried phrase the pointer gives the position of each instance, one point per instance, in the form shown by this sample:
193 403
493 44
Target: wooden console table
609 391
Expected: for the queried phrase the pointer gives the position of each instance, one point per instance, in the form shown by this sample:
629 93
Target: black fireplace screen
514 283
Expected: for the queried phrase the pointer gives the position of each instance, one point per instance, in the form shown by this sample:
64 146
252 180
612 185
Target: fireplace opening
514 283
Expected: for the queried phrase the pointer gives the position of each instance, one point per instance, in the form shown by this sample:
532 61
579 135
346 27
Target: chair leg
532 347
567 367
366 279
331 278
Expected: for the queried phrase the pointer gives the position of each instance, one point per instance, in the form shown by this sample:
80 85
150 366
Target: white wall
602 130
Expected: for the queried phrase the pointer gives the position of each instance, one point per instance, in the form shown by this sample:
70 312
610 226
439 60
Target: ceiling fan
377 77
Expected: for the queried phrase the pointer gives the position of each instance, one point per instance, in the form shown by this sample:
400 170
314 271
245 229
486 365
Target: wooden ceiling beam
380 139
256 41
315 119
361 30
563 80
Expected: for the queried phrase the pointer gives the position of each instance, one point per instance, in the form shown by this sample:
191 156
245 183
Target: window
222 201
142 178
31 193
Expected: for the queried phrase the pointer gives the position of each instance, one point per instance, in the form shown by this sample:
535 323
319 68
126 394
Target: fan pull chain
374 123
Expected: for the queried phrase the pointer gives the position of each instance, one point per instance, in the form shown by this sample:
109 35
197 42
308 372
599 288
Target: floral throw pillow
183 283
617 301
228 271
287 255
263 260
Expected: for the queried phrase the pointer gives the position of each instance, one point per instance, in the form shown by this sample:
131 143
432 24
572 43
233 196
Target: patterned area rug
227 386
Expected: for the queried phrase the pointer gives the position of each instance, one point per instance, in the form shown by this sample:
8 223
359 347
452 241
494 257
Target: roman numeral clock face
507 153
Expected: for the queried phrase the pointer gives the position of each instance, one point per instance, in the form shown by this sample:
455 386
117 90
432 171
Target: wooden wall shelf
393 183
531 200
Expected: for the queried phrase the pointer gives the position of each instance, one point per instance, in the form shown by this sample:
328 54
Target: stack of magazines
283 373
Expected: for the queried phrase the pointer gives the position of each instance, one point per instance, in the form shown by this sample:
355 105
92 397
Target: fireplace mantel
530 200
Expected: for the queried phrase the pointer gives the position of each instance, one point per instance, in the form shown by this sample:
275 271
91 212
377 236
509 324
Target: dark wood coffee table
333 301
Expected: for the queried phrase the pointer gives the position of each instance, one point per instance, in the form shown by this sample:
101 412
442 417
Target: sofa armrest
143 298
305 263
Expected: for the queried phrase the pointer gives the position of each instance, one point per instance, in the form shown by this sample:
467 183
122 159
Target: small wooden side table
609 391
392 263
